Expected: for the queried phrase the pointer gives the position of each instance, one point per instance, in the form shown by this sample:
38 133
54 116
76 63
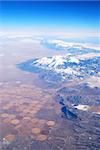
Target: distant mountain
69 47
63 68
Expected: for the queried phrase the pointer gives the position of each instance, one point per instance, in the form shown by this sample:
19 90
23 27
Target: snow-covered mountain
70 47
69 66
63 67
58 64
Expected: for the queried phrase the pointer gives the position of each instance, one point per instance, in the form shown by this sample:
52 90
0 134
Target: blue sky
82 17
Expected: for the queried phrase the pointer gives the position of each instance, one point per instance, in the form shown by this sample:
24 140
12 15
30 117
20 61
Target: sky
74 18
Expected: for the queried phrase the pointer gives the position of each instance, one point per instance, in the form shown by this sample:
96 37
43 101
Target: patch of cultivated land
30 118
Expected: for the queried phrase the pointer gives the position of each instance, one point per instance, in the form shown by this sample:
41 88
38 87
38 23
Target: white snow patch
83 107
80 46
73 59
93 82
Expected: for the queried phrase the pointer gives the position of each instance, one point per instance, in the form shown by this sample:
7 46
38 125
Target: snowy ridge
63 45
56 60
57 63
69 66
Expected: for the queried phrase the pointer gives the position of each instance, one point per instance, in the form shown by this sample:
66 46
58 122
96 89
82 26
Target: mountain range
63 67
70 47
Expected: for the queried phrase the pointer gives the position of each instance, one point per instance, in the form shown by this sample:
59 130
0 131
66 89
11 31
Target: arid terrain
31 118
36 114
